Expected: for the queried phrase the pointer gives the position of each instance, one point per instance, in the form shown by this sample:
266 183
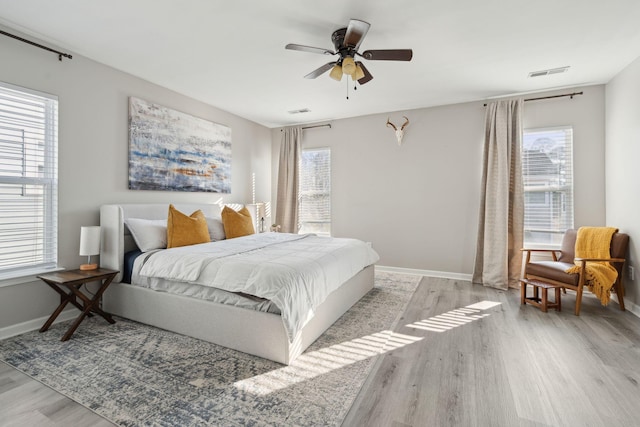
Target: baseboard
32 325
633 308
429 273
628 306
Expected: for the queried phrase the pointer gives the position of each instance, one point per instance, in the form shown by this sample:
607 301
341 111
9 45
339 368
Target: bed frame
259 333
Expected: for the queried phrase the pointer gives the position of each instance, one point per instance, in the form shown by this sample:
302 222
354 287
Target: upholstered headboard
117 240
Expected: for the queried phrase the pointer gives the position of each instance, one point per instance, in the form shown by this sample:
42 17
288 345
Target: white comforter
295 272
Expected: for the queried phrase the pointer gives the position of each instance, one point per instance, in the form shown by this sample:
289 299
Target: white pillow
216 229
149 234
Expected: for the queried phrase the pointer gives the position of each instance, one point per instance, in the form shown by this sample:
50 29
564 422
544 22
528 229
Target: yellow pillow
185 230
237 224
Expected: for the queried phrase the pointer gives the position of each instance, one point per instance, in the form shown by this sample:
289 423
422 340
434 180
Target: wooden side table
72 280
543 302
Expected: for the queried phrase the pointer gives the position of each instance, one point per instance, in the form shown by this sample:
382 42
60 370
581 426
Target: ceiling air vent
300 111
548 72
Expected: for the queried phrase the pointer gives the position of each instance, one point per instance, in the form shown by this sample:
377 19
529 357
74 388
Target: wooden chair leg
619 293
578 300
580 286
523 293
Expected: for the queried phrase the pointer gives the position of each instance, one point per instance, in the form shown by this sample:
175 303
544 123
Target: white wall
93 152
418 203
586 114
623 173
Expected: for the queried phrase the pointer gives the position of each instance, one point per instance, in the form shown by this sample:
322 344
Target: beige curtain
501 224
287 196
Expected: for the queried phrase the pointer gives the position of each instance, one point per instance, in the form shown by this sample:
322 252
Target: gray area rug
137 375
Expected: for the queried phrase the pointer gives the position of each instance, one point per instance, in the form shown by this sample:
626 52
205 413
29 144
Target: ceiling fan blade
388 55
355 33
311 49
367 75
319 71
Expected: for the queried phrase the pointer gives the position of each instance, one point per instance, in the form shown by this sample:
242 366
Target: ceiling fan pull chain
347 79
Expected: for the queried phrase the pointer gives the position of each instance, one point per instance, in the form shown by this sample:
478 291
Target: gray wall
623 174
418 203
93 153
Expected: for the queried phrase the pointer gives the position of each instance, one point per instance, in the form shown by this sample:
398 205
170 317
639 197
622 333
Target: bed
266 332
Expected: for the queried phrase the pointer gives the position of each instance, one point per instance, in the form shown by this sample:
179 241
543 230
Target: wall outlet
631 273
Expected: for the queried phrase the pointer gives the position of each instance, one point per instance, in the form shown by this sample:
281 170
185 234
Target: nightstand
71 281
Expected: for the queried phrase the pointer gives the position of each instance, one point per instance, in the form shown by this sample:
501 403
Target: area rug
137 375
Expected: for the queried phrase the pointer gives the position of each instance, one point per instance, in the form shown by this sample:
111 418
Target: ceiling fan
347 42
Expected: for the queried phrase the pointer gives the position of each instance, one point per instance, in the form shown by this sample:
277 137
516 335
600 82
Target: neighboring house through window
314 195
28 181
547 168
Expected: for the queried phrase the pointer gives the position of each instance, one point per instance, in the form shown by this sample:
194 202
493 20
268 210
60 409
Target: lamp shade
348 65
90 240
359 73
261 210
336 73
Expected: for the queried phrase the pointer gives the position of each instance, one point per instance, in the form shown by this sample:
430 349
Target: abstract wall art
174 151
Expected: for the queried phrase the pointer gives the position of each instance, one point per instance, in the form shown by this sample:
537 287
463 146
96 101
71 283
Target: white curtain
501 222
287 192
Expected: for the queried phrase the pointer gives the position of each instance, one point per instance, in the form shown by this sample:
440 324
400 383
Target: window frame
569 221
48 200
300 192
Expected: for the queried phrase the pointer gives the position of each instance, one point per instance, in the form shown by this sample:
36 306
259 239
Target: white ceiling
231 54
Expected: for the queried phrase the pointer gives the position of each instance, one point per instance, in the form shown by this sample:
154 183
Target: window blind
28 180
547 168
314 193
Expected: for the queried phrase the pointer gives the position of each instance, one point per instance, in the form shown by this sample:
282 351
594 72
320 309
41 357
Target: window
28 181
547 168
314 193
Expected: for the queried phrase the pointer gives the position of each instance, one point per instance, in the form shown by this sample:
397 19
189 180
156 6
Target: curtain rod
60 54
552 96
315 126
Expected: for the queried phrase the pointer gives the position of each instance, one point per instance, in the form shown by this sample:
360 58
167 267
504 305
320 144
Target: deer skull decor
399 132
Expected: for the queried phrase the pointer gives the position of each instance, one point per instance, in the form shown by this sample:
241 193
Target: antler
391 124
404 124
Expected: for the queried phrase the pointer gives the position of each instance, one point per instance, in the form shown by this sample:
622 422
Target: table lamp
89 245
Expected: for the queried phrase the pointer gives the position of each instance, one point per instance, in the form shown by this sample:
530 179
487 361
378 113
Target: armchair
553 272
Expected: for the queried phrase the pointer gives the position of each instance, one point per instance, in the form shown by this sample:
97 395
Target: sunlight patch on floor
325 360
454 318
315 363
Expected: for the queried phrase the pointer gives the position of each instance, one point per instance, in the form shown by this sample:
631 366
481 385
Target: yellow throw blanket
595 242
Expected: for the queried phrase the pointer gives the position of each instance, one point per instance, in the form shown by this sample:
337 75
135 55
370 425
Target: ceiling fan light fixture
346 42
359 73
336 72
348 65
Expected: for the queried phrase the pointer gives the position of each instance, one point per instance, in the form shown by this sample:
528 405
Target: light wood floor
504 365
516 366
25 402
